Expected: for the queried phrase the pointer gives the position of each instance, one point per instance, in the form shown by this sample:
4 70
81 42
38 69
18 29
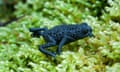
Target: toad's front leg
65 39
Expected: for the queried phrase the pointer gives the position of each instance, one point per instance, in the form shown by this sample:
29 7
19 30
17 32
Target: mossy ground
19 51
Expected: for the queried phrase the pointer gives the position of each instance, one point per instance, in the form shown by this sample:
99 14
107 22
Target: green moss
114 10
19 51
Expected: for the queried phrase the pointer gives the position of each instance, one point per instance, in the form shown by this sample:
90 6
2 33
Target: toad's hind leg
50 42
36 32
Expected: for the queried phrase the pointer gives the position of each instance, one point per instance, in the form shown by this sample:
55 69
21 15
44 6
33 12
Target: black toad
61 35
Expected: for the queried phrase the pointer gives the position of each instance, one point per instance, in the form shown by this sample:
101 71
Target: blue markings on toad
61 35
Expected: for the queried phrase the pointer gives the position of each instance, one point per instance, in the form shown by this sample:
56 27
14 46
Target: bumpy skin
61 35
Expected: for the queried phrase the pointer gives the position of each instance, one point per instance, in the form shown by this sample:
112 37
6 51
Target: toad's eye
85 31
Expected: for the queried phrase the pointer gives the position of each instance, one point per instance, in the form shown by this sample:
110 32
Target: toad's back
59 32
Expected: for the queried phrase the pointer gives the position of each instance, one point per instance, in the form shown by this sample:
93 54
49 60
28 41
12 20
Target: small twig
10 21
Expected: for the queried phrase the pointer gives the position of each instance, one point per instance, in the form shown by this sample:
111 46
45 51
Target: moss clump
114 10
19 52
